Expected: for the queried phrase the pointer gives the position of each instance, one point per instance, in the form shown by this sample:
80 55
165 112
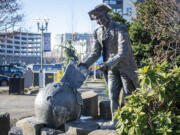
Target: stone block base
4 123
80 127
90 104
105 110
15 131
30 126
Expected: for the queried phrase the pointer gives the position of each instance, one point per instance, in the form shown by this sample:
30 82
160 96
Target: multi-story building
60 38
81 42
20 47
117 5
125 7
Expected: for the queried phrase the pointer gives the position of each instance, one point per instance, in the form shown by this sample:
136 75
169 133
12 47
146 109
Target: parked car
11 71
17 64
4 80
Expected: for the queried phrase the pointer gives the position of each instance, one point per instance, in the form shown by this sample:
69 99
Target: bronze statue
112 40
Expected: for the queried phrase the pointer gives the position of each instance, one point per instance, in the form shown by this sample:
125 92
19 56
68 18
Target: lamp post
42 25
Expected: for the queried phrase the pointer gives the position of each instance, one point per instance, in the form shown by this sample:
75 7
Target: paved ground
17 105
20 106
96 86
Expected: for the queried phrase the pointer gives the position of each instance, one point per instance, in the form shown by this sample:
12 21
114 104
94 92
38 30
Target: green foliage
118 18
153 109
155 33
142 44
161 20
70 53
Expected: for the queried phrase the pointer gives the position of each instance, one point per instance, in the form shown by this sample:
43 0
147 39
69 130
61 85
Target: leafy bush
154 108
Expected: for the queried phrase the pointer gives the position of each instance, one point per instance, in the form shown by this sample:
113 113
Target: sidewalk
20 106
97 86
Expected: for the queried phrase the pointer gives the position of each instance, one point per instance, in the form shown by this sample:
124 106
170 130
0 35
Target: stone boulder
15 131
29 126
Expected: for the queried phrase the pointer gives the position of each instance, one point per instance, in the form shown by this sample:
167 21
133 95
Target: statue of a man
112 40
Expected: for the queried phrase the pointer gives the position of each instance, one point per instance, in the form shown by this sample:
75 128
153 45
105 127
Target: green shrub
153 109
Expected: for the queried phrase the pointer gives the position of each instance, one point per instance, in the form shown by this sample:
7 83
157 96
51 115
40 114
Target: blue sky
60 13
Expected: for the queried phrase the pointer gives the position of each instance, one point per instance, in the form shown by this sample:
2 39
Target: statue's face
102 20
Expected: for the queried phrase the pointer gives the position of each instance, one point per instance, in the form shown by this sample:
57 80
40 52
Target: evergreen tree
69 51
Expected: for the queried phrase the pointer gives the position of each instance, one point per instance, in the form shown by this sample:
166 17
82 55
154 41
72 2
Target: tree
69 51
118 18
9 15
142 44
161 19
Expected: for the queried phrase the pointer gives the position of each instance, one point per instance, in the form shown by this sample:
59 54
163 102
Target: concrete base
81 127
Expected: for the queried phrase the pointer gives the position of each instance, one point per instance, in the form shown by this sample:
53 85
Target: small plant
153 109
69 51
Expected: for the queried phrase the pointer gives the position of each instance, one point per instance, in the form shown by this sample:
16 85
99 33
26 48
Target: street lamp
42 25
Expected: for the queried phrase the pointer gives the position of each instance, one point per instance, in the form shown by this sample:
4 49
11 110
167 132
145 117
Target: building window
2 36
24 34
112 2
2 46
2 51
17 42
129 11
8 46
9 41
24 38
16 37
23 43
8 51
119 2
106 1
17 47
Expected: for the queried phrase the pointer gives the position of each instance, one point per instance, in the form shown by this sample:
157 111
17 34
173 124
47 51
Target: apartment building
125 7
21 47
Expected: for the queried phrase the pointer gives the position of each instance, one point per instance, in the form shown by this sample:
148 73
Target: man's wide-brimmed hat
99 10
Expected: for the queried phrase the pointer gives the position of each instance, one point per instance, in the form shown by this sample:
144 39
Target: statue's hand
102 67
82 64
